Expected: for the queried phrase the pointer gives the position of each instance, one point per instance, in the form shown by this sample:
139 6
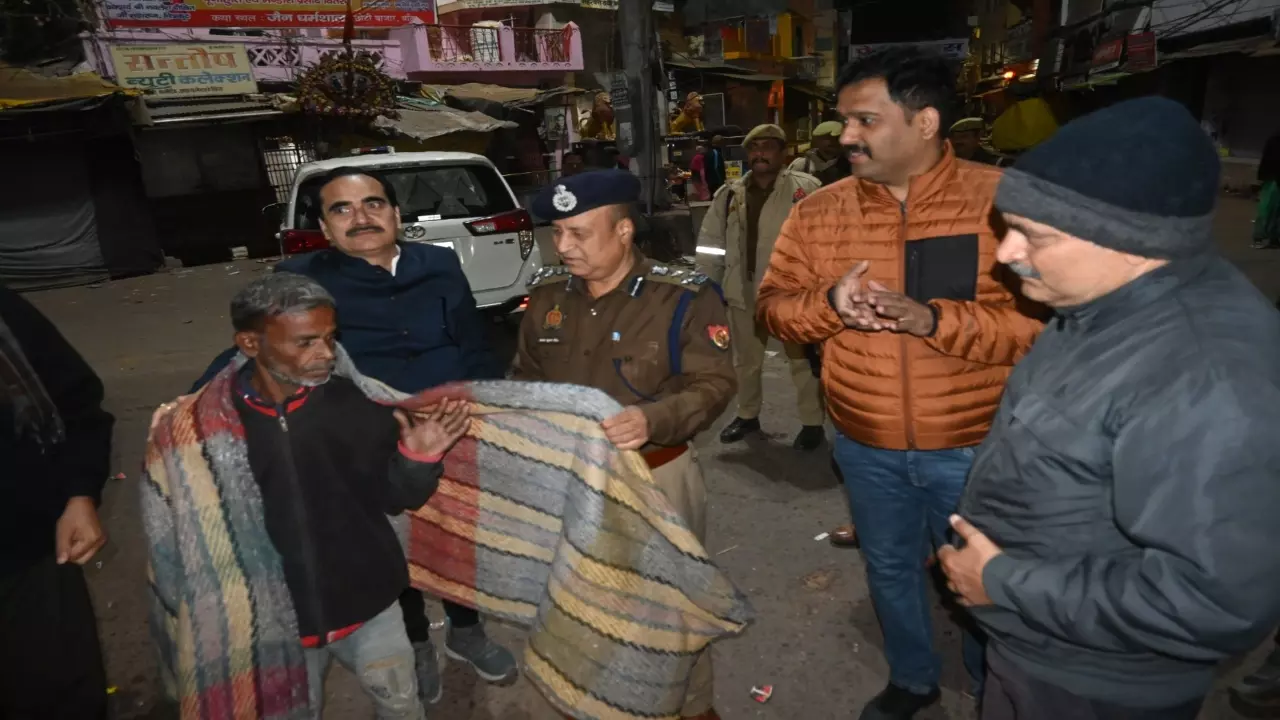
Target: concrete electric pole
635 23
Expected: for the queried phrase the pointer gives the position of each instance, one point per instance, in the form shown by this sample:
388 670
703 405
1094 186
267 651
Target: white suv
456 200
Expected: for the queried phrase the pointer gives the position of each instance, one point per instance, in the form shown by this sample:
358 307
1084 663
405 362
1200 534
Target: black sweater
35 486
330 473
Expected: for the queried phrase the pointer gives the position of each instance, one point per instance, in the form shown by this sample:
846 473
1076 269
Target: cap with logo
586 191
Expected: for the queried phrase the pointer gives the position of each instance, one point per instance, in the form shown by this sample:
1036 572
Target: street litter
112 689
819 580
731 547
118 476
822 536
762 694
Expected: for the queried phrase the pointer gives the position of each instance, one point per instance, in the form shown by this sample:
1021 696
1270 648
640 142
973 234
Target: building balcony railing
409 52
457 48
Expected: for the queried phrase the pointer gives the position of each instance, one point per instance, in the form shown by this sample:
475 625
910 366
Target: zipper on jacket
300 517
908 423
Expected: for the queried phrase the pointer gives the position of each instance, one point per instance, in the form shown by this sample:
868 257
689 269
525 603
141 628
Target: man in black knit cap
1117 535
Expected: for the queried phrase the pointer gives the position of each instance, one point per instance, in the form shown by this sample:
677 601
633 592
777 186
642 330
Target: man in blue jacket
408 319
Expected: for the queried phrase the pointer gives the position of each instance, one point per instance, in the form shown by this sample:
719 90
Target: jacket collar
350 263
780 183
922 187
255 401
1133 295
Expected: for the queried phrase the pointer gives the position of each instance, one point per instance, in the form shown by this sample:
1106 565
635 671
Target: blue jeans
902 501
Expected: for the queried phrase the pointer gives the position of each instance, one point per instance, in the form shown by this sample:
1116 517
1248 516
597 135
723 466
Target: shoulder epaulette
672 276
549 274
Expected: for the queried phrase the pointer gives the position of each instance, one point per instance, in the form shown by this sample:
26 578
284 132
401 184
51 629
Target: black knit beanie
1139 177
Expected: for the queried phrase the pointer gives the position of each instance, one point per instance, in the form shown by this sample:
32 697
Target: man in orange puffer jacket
893 272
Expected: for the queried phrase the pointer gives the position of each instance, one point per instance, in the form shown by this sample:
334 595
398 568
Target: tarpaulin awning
1260 44
225 109
811 90
696 64
751 78
426 124
515 97
20 87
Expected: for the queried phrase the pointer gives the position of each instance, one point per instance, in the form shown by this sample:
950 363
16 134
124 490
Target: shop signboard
957 49
266 13
1140 52
1018 43
1106 55
448 7
620 95
182 70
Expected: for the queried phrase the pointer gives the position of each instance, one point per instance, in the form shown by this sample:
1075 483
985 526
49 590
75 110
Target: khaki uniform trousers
749 339
681 480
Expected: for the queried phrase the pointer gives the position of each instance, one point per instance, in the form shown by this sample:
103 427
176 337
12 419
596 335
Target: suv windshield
436 192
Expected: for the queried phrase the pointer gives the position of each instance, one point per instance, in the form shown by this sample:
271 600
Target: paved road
816 639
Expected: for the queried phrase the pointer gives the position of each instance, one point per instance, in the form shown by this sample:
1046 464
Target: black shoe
738 429
811 437
1257 695
895 703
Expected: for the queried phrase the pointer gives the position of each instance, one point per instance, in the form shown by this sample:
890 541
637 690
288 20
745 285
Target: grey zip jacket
1132 479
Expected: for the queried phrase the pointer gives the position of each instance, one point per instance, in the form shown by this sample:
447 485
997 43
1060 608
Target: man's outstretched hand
434 431
849 299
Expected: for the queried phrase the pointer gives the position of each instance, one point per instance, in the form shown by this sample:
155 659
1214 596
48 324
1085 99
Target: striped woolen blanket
539 520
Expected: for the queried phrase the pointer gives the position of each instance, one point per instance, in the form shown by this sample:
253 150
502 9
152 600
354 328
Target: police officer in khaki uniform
745 218
654 338
826 159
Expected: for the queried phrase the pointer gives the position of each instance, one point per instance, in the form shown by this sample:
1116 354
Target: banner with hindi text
184 70
266 13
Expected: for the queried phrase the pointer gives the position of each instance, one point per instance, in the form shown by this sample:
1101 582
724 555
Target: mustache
849 149
1024 270
360 229
759 160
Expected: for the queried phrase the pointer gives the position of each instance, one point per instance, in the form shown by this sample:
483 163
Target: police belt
662 456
